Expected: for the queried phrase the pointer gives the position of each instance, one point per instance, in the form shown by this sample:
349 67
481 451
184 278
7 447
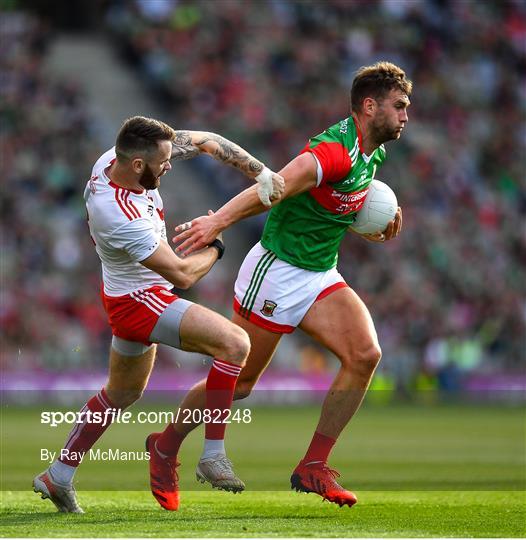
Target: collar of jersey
114 185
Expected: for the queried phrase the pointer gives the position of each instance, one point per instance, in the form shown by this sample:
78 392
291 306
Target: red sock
169 441
320 448
220 386
85 434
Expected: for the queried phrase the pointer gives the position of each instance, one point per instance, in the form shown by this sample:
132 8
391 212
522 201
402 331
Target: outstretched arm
299 176
188 144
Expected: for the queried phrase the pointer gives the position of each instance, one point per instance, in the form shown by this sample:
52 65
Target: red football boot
316 477
164 480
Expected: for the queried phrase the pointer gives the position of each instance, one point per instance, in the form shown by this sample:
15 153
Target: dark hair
377 81
140 135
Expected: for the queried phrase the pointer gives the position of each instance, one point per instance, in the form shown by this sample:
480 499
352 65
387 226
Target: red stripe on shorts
331 289
133 316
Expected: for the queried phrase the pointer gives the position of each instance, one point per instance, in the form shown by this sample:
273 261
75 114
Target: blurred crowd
448 297
48 315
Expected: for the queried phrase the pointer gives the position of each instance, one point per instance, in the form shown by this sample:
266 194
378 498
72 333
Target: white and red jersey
127 227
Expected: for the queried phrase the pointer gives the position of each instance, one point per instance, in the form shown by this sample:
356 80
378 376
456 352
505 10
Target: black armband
219 246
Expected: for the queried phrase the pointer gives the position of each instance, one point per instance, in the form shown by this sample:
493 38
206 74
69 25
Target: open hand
196 234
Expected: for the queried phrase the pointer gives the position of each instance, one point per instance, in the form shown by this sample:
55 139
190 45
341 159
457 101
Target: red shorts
134 315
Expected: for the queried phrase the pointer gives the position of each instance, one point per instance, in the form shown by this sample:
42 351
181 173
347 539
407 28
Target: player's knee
124 398
236 346
243 389
368 359
364 360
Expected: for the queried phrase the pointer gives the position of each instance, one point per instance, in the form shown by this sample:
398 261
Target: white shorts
276 295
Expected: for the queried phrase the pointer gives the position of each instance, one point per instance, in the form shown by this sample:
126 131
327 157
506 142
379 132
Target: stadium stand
447 298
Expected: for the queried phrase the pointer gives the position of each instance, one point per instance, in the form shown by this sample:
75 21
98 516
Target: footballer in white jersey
126 226
139 267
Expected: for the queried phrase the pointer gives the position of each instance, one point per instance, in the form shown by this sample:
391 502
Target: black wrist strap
219 246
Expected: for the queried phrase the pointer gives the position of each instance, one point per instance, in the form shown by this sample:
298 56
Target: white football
378 209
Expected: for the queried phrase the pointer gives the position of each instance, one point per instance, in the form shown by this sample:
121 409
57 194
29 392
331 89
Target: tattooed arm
188 144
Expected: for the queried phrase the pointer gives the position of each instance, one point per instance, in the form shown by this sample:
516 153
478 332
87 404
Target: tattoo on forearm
232 154
182 147
255 166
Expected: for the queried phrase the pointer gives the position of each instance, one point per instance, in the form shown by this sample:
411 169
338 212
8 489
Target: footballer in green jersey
289 279
306 230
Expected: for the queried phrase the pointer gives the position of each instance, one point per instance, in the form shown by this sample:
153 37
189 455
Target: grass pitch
418 471
272 514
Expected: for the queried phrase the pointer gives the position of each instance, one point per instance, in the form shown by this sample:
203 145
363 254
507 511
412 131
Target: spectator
263 74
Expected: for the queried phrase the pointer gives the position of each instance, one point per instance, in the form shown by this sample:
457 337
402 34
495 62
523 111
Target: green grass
417 471
378 514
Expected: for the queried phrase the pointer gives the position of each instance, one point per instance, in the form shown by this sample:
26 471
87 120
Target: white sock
62 473
213 447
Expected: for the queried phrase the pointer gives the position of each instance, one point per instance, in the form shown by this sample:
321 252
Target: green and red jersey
306 230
